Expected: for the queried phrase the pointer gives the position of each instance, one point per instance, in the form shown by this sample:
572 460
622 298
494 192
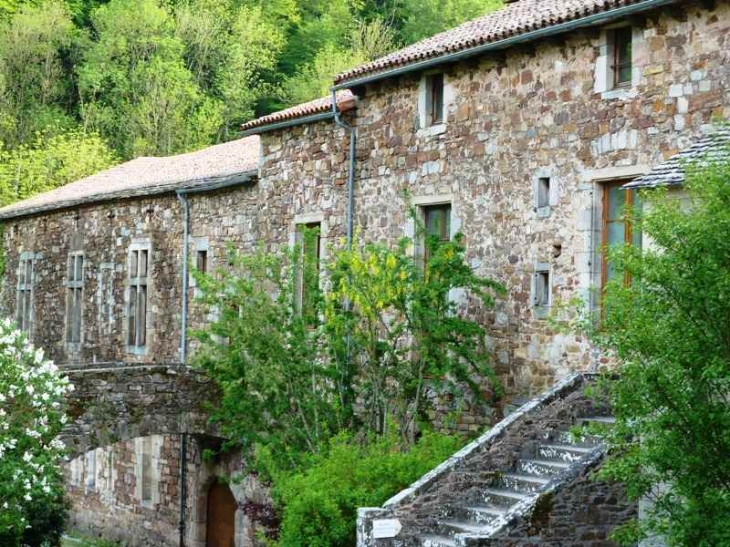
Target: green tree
424 18
295 361
232 53
32 393
135 88
319 504
670 329
50 161
35 86
267 357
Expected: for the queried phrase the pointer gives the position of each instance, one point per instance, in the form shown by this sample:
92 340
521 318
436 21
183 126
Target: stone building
519 128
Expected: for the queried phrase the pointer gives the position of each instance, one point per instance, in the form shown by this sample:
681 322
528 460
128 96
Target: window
309 239
201 260
147 469
542 288
543 192
437 227
621 51
137 306
146 478
91 469
617 229
24 307
74 299
434 99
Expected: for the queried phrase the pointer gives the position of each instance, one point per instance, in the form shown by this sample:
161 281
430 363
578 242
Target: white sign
386 528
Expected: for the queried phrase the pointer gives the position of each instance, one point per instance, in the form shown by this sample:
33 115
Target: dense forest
87 83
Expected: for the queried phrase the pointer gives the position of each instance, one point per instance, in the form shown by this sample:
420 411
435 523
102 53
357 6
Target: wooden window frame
300 239
616 64
435 98
138 296
24 292
605 221
75 297
445 235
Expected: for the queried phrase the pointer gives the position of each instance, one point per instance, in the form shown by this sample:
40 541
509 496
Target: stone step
503 497
479 514
433 540
567 453
541 468
585 440
528 484
452 527
604 420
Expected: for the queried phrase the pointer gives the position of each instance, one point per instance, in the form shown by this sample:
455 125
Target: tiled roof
513 19
709 149
145 176
345 101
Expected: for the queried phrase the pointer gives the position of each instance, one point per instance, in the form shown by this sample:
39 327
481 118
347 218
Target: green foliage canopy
50 161
158 77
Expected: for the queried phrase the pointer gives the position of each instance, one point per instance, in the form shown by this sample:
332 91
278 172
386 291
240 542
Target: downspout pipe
182 196
183 484
349 213
186 244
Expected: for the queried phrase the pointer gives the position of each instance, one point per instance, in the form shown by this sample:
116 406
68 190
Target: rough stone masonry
513 118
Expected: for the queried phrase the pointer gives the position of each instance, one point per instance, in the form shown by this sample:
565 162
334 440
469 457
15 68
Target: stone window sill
620 93
432 130
136 350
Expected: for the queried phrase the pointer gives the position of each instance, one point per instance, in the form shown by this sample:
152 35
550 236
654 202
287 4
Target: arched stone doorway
221 516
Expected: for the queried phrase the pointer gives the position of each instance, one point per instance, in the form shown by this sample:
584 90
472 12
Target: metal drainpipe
183 355
183 485
351 171
184 305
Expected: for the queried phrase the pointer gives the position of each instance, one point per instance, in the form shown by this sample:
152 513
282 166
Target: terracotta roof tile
345 101
709 149
513 19
148 175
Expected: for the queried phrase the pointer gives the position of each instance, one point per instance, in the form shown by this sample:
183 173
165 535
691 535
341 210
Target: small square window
542 289
543 192
434 99
620 41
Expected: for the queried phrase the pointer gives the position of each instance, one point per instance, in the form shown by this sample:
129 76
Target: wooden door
220 521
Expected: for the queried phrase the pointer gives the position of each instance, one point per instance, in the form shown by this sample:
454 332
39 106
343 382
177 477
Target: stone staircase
485 508
514 476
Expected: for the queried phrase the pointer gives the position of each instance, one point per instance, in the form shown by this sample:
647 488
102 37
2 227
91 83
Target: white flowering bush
32 414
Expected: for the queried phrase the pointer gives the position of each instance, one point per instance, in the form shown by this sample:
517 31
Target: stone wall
110 507
117 403
583 513
104 233
529 112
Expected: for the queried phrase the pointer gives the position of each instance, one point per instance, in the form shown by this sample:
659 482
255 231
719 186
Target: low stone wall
117 402
582 512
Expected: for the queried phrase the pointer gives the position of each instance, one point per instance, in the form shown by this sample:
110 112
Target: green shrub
319 504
